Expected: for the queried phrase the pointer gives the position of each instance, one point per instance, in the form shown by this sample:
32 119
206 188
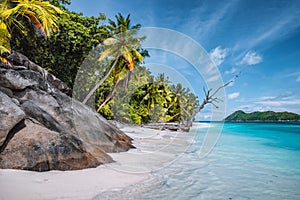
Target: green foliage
59 3
262 116
107 112
139 113
24 17
4 40
152 99
138 97
63 53
124 47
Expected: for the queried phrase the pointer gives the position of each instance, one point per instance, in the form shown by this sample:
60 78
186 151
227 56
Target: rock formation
42 128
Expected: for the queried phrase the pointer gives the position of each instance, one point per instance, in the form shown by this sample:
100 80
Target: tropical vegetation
123 46
263 116
24 15
61 41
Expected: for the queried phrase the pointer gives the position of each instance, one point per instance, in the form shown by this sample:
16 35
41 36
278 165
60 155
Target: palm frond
41 14
110 41
38 25
121 75
105 54
137 55
4 38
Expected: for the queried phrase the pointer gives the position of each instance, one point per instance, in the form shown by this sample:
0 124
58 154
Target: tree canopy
263 116
127 90
24 15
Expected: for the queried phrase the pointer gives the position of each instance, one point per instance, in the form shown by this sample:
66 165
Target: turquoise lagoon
250 161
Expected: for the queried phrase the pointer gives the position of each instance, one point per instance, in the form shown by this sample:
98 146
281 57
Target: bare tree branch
209 99
226 84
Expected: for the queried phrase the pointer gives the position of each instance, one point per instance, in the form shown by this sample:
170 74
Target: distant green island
241 116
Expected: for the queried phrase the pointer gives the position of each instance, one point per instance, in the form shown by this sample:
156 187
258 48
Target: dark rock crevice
7 91
19 126
41 116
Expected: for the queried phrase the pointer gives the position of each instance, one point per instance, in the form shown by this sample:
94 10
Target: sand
155 150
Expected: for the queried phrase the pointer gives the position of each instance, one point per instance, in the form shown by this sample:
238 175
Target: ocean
249 161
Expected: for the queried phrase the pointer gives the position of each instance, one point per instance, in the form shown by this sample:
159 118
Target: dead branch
210 99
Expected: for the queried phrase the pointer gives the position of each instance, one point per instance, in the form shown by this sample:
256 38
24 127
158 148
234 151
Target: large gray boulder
40 149
42 128
10 115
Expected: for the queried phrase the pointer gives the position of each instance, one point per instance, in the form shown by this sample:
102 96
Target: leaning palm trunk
122 44
111 94
101 81
123 83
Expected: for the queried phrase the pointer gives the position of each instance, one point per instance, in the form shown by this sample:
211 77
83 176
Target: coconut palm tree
41 14
121 78
157 97
122 25
124 45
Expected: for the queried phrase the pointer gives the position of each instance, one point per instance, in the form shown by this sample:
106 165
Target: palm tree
177 96
141 76
127 102
121 78
185 100
41 14
123 45
123 25
157 96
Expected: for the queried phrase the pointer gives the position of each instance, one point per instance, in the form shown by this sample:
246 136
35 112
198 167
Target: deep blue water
249 161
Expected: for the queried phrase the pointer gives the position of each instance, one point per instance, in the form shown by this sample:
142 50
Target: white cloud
203 27
233 95
280 102
253 108
271 29
279 27
263 98
207 116
213 78
251 58
292 75
218 55
245 84
210 68
283 102
262 107
232 71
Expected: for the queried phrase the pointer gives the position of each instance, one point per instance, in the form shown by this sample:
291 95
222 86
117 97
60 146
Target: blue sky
258 39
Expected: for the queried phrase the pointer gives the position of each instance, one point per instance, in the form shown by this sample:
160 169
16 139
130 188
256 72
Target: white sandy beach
155 149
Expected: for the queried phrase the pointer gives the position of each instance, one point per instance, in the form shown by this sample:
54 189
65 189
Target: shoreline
154 150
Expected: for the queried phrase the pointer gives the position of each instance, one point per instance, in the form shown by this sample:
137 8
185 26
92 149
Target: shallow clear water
250 161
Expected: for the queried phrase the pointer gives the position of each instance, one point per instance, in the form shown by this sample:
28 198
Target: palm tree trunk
111 94
101 81
165 112
128 79
122 83
175 115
